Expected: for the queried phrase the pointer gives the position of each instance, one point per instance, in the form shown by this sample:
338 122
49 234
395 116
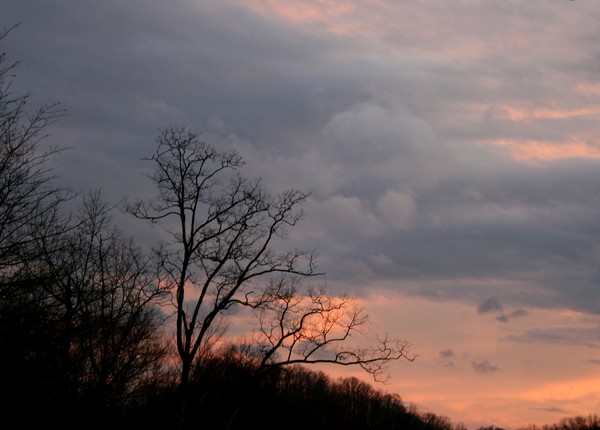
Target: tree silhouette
29 197
224 254
104 293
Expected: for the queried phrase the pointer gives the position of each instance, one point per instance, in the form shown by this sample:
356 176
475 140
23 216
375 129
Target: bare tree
305 325
299 325
221 240
76 296
29 197
225 233
101 295
104 293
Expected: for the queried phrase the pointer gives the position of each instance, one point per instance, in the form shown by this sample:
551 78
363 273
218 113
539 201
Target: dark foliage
231 391
590 422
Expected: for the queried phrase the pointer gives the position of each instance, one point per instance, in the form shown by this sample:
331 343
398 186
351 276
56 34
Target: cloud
380 260
395 131
446 353
397 208
450 148
551 409
484 366
347 215
489 305
586 336
517 313
446 357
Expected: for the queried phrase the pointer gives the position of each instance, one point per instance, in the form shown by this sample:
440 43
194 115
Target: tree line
91 323
97 332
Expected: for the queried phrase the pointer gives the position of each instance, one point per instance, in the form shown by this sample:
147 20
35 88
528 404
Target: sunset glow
536 151
450 152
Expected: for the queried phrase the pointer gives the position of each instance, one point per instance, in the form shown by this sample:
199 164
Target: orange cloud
589 88
580 145
383 22
517 113
547 113
334 16
564 391
536 150
301 12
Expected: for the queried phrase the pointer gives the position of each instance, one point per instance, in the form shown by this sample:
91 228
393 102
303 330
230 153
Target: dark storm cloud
121 70
538 227
202 60
391 143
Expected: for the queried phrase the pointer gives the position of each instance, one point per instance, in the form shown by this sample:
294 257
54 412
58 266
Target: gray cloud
517 313
551 409
447 353
581 336
489 305
484 366
446 357
390 132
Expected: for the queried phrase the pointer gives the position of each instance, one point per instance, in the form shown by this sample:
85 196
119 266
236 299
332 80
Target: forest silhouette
84 338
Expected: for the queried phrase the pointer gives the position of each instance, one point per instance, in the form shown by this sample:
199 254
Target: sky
451 149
